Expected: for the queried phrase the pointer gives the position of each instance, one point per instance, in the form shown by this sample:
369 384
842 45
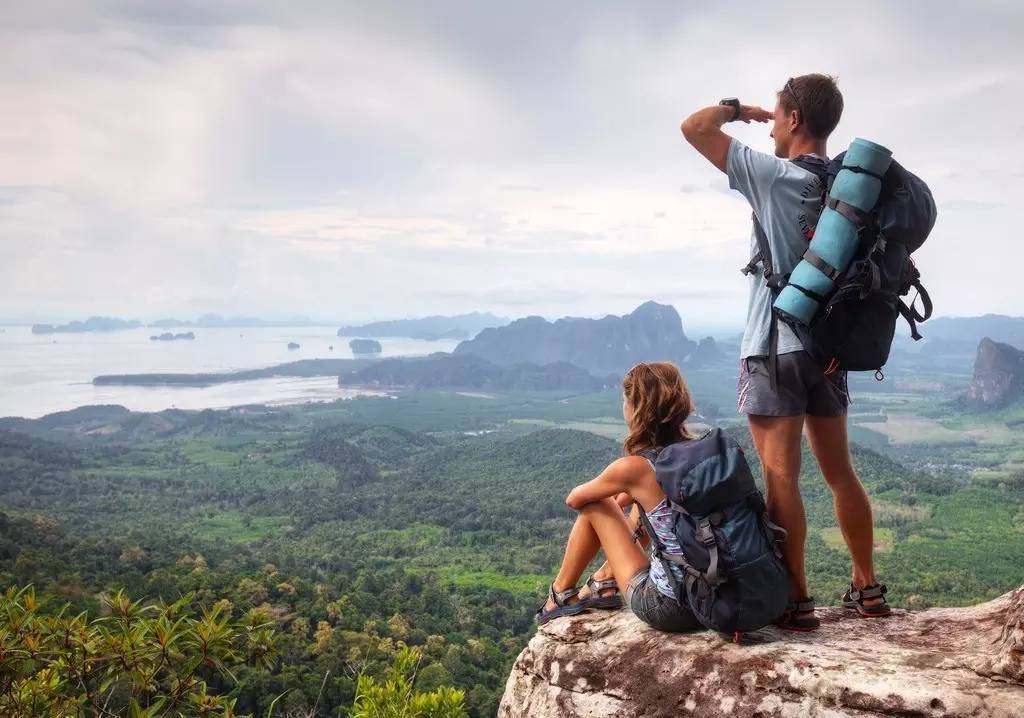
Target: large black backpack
854 328
734 578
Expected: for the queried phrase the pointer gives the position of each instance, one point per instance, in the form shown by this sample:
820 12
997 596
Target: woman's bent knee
602 505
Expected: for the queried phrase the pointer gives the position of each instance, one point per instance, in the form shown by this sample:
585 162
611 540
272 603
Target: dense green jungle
435 519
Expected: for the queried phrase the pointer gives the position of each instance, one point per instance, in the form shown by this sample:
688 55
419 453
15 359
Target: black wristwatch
734 103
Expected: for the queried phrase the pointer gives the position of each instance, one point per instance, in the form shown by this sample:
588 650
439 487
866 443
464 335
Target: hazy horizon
347 162
689 325
700 325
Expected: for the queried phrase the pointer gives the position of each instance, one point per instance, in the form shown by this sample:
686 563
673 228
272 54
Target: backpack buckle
704 533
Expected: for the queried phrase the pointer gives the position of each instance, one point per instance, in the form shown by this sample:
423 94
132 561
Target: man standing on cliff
791 393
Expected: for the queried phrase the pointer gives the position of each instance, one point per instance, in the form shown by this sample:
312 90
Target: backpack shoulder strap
818 166
764 251
649 454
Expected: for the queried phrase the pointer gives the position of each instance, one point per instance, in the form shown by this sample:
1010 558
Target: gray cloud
363 160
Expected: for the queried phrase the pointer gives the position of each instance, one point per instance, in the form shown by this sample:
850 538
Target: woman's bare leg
580 549
605 571
600 525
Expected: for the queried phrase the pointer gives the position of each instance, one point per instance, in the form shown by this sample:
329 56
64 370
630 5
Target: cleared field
238 528
833 538
905 429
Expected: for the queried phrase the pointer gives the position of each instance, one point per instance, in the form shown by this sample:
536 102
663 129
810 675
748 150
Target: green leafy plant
396 697
139 660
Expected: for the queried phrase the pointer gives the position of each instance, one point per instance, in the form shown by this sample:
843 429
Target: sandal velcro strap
560 597
867 593
805 605
596 586
799 616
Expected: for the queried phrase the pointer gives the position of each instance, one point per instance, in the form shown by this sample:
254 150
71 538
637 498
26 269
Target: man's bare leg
777 440
828 439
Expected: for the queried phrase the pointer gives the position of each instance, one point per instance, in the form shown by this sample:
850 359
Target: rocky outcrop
365 346
171 336
652 332
942 662
998 376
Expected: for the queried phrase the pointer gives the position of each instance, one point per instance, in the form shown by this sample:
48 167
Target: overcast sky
353 161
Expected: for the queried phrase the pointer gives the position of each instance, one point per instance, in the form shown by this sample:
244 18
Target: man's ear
794 121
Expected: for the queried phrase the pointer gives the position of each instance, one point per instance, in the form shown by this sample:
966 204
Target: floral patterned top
661 521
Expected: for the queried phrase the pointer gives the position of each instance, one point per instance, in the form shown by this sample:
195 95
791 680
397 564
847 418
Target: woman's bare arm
620 476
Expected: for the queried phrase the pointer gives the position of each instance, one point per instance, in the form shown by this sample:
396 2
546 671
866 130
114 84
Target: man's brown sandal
595 600
795 617
855 598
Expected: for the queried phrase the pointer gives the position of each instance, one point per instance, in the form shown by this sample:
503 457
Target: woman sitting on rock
656 404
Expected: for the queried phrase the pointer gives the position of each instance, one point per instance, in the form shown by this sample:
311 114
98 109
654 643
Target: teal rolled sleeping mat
836 236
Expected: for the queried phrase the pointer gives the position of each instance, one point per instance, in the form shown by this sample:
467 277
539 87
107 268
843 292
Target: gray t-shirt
787 201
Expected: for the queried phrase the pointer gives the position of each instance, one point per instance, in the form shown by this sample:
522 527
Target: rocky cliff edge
940 662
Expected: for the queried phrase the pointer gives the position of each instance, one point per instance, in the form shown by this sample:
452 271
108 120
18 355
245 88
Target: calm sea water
44 373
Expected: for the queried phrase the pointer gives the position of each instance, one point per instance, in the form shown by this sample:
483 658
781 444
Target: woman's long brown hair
660 402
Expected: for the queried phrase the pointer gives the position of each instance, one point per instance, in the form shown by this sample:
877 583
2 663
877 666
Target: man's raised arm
703 129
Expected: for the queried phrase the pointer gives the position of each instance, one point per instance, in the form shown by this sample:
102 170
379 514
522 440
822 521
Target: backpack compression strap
910 313
712 577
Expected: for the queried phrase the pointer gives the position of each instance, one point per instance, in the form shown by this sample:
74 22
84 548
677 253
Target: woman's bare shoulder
631 469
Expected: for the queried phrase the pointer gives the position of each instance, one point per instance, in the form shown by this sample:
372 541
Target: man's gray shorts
802 387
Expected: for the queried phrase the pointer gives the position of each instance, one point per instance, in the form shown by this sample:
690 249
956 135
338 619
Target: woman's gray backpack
734 577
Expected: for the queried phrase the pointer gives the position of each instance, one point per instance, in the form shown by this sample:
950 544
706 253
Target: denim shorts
803 387
655 608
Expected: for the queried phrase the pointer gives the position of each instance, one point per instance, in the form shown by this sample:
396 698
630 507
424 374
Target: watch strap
734 103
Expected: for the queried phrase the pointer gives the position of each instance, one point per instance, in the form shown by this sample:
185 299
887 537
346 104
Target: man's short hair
818 100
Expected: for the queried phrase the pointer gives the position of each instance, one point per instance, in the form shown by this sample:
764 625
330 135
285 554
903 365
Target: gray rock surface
937 663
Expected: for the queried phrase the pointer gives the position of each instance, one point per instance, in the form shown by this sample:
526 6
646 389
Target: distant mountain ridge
950 332
214 321
448 371
459 326
611 344
206 321
998 376
92 324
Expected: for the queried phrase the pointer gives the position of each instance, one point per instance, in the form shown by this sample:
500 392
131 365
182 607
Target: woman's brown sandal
595 600
561 608
792 620
855 598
